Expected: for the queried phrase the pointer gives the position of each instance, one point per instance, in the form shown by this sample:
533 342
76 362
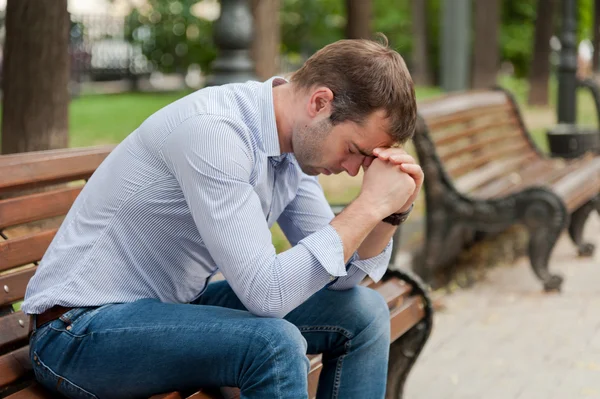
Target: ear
320 102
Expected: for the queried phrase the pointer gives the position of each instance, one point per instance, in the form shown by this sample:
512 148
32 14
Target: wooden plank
38 172
454 105
316 366
587 173
393 291
490 172
483 144
23 250
542 173
14 329
14 365
442 141
34 207
406 316
25 157
588 192
518 148
12 286
34 391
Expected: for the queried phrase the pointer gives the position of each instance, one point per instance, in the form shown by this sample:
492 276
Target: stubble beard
308 145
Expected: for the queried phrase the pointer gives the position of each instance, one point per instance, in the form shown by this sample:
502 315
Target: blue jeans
135 350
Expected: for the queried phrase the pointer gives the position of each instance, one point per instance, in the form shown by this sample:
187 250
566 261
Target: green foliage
171 36
517 33
308 25
585 19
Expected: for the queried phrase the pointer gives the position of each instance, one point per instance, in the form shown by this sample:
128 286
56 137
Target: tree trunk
421 70
35 76
486 46
596 38
267 37
358 22
540 65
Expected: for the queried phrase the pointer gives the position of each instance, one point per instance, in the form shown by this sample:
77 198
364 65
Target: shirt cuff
327 247
376 266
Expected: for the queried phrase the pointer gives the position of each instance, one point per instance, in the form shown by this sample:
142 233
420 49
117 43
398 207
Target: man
122 301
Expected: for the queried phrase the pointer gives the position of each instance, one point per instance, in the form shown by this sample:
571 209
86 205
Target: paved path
504 338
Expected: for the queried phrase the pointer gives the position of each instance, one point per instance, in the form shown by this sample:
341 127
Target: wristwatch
398 218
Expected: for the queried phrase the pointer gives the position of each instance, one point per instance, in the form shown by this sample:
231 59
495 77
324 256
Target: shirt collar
268 123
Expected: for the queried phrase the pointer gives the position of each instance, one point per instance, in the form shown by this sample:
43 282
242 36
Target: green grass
108 119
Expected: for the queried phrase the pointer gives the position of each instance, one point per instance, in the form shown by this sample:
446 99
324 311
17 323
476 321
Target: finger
413 169
402 158
385 153
368 161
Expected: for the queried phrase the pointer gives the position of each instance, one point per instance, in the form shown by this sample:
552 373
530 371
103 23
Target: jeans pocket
52 381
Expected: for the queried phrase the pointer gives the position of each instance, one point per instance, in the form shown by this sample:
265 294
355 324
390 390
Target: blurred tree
267 37
516 35
170 36
540 66
35 76
486 47
308 25
358 21
421 70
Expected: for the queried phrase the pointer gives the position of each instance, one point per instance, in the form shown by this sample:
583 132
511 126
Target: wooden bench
484 173
37 190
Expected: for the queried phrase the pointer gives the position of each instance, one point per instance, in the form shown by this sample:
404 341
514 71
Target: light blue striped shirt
193 191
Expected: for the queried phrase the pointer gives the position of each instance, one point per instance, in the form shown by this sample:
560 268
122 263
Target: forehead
373 131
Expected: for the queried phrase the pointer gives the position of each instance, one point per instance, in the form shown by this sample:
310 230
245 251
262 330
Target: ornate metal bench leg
576 226
545 216
406 349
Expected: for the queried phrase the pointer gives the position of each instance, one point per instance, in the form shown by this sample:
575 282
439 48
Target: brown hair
364 76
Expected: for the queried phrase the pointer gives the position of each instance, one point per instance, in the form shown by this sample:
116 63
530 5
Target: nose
352 166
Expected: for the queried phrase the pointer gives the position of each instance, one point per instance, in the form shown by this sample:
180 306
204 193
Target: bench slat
475 130
16 283
482 144
14 365
393 291
490 172
11 330
473 163
406 316
38 172
586 174
35 207
24 157
23 250
452 107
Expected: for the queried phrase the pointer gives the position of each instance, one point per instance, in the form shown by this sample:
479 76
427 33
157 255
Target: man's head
358 96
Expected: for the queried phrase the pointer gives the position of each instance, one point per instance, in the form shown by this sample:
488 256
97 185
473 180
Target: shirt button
331 278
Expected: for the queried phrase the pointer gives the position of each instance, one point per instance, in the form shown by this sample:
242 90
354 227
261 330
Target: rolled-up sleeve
212 159
310 212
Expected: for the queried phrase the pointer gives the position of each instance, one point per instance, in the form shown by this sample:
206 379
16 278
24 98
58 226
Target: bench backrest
36 191
477 136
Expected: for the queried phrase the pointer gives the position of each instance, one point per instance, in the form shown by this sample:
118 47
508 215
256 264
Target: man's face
323 148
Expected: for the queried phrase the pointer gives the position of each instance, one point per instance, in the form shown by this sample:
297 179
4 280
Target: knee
281 338
371 313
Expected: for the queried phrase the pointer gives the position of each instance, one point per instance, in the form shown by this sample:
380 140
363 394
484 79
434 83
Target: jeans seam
338 371
61 377
337 329
337 381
